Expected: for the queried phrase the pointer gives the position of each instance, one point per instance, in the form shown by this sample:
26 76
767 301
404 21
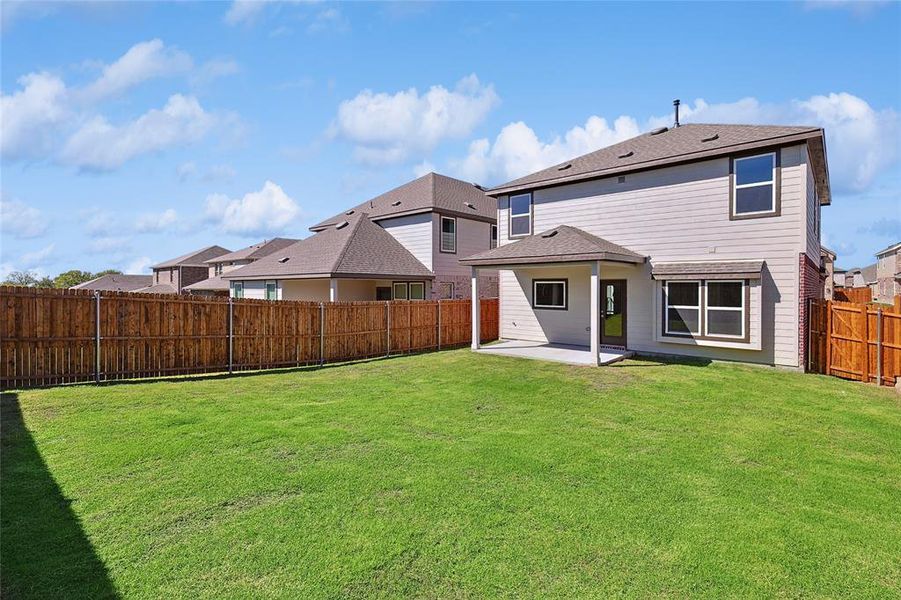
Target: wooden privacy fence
855 341
860 295
50 336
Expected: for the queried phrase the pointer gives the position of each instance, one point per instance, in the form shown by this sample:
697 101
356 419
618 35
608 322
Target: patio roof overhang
563 244
746 269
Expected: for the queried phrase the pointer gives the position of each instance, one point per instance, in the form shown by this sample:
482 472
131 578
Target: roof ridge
350 234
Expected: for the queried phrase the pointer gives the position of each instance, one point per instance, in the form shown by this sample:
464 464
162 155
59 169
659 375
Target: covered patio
566 294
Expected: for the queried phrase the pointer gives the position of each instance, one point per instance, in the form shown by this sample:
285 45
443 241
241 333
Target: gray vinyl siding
678 213
813 211
414 232
472 237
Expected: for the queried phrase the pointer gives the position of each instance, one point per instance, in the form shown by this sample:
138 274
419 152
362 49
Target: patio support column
476 318
333 290
595 321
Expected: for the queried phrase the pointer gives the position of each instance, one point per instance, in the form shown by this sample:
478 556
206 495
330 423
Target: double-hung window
238 289
683 307
400 291
549 293
724 309
493 242
409 290
754 185
448 235
417 290
271 290
520 215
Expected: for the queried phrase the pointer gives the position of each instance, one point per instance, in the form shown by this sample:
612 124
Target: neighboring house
888 273
172 276
838 278
404 244
699 240
827 269
859 277
115 283
215 285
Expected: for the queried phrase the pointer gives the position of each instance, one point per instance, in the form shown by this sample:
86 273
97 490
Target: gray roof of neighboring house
358 248
893 248
264 248
215 284
690 142
869 273
560 244
431 192
723 269
115 283
158 288
196 258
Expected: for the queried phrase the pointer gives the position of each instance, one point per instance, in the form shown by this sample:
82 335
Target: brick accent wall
488 286
191 275
811 286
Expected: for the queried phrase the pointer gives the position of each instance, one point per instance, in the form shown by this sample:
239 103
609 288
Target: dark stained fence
855 341
49 336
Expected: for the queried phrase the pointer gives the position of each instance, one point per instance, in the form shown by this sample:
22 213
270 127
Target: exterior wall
812 217
190 275
255 290
472 237
887 285
811 288
681 213
414 232
315 290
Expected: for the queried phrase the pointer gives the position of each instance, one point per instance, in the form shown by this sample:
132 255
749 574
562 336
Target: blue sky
145 130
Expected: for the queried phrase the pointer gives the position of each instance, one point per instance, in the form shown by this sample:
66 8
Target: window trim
776 209
510 216
452 290
742 309
394 285
667 306
410 290
274 285
238 289
492 236
702 323
536 306
441 221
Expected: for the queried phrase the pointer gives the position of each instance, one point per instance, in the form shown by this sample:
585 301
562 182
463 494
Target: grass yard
455 475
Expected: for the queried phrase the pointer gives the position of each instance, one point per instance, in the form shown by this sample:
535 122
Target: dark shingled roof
359 248
264 248
116 283
693 141
429 192
745 269
560 244
196 258
215 284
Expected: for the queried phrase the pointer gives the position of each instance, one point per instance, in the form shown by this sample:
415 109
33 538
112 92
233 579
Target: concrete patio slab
565 353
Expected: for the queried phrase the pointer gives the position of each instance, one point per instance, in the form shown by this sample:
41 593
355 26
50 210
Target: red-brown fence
855 341
50 336
860 295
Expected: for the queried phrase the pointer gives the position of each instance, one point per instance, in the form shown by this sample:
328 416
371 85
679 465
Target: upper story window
755 185
493 242
448 234
218 268
520 215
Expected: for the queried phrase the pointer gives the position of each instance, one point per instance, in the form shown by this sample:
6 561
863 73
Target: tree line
64 280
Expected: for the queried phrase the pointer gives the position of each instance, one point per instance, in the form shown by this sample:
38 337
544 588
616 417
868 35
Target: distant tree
107 272
44 281
23 278
70 278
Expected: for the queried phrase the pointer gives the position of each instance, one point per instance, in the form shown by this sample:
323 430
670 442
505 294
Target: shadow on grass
43 549
639 361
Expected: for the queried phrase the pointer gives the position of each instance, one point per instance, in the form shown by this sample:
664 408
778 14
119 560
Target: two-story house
888 273
215 285
174 275
404 244
699 240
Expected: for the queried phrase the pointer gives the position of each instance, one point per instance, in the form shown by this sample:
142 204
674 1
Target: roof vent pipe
676 103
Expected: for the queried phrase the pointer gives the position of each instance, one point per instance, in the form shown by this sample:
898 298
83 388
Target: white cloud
517 150
109 246
37 258
98 223
101 146
156 222
186 170
20 220
862 141
139 265
143 61
244 11
267 211
423 168
388 128
29 116
329 19
214 69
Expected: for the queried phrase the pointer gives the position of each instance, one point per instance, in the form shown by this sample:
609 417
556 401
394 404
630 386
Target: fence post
231 334
828 337
321 334
97 337
878 346
865 367
809 325
388 327
439 324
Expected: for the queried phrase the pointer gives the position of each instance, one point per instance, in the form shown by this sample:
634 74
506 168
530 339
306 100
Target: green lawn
455 475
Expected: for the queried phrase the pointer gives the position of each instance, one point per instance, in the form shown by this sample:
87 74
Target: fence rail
855 341
50 337
860 295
